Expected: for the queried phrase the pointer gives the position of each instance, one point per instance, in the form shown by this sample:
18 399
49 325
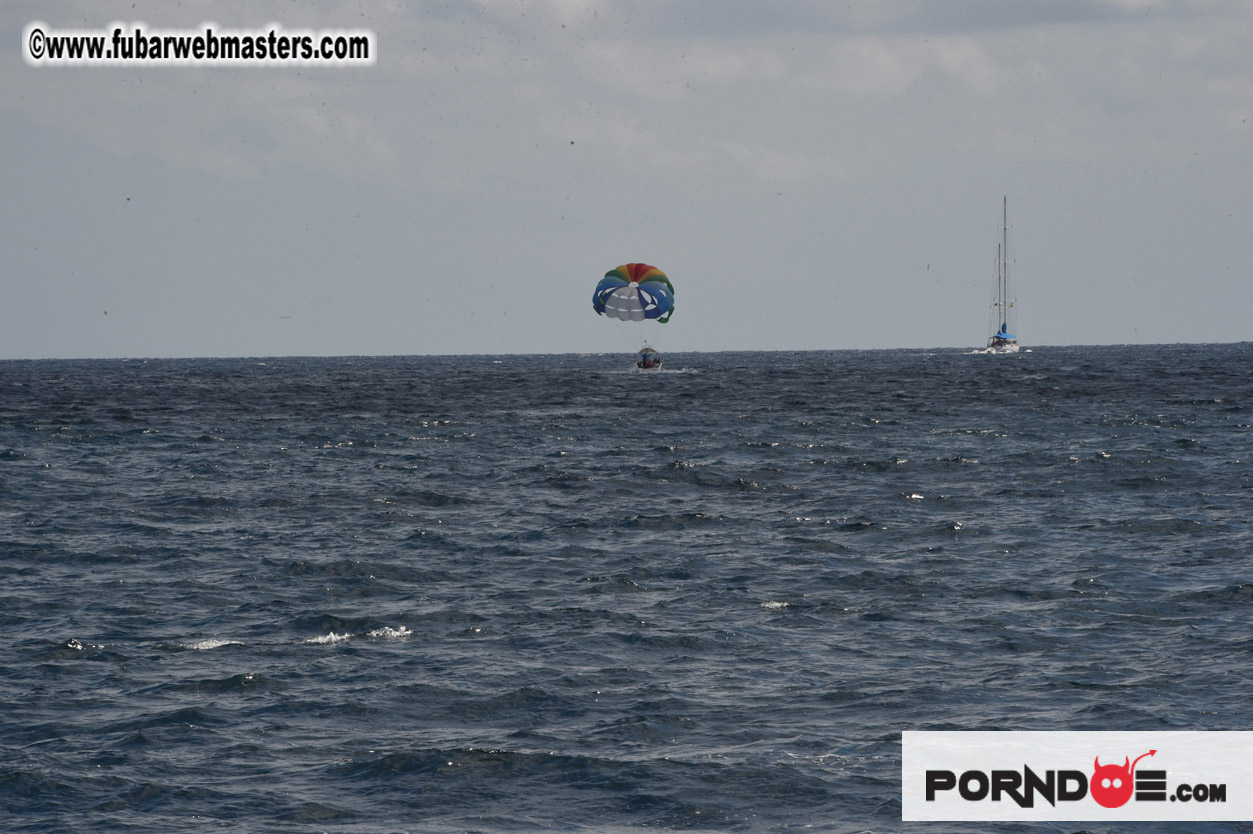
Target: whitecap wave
211 643
389 633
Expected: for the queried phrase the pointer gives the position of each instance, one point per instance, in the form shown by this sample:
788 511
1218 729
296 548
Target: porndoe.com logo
969 776
1110 786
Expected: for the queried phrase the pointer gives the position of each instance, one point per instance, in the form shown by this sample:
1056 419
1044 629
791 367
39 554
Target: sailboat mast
1000 272
1004 299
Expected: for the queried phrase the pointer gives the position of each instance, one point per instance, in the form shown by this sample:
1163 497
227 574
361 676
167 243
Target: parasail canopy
635 292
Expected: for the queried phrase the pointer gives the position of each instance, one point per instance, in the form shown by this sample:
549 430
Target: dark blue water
502 594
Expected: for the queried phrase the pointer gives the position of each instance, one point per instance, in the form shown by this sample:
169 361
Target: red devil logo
1111 785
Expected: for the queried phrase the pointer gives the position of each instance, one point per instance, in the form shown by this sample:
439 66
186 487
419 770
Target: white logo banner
1077 776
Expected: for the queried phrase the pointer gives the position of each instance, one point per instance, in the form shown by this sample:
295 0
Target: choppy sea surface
508 594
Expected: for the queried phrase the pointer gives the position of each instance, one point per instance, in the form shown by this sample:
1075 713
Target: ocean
550 593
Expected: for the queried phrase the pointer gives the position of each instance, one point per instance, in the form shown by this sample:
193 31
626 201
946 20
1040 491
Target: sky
812 175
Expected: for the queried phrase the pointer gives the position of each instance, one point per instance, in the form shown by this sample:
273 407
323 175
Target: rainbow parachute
635 292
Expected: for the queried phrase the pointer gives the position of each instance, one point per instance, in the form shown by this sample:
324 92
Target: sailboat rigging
1002 340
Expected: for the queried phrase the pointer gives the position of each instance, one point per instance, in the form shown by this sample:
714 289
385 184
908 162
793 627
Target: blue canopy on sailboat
1004 333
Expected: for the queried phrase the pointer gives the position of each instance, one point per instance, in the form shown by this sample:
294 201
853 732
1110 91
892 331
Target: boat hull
648 359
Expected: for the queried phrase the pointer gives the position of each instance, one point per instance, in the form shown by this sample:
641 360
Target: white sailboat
1002 340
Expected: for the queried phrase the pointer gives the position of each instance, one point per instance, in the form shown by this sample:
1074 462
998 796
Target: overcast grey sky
810 174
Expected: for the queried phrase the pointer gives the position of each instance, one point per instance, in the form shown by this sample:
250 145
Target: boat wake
657 371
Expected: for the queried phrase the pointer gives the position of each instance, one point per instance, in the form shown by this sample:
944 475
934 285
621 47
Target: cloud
627 135
774 165
878 66
914 18
668 71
